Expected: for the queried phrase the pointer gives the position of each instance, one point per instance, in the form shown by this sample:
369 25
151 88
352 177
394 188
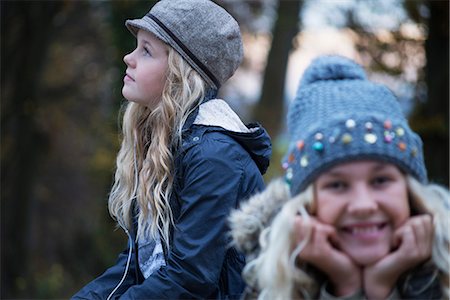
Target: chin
367 254
129 99
128 94
366 261
125 95
367 258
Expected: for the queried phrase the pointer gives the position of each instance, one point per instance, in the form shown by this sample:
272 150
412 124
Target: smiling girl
354 217
185 161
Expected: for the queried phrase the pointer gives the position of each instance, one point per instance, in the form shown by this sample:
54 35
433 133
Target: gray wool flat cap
202 32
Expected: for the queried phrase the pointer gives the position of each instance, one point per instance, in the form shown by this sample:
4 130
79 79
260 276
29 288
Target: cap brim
146 24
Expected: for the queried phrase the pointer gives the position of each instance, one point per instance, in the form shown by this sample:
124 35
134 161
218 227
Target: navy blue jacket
215 170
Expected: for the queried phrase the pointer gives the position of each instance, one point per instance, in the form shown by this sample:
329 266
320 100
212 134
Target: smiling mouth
364 229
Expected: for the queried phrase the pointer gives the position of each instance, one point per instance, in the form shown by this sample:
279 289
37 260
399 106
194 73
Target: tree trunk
270 109
25 29
431 118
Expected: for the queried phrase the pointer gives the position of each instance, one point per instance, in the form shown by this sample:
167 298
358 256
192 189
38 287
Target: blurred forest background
61 80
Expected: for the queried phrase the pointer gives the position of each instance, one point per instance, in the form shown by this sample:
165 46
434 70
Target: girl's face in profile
146 70
365 201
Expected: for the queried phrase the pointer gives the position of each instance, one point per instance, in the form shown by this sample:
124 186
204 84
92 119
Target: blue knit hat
339 116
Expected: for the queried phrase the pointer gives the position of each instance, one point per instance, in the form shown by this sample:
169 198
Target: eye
381 180
336 185
146 51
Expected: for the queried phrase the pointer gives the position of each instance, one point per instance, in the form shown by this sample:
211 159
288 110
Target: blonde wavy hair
274 272
145 162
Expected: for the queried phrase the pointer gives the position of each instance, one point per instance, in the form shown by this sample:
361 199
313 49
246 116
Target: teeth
363 230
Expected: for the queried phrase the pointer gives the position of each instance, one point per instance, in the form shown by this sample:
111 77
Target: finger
327 239
407 238
419 230
318 244
330 235
320 252
397 237
308 249
298 224
325 228
423 231
301 228
324 234
429 225
333 238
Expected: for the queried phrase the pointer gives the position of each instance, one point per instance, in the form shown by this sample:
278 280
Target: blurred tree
253 16
431 117
395 52
280 20
26 29
61 82
270 109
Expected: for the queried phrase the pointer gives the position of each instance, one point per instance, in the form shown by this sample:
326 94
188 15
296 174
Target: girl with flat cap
186 159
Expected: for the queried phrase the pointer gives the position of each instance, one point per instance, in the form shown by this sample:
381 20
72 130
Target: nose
363 202
129 60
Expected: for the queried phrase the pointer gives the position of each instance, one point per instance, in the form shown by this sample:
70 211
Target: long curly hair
273 271
145 162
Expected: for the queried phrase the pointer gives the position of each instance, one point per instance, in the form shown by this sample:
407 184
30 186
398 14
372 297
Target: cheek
404 205
158 72
398 208
403 211
150 89
328 210
152 75
155 84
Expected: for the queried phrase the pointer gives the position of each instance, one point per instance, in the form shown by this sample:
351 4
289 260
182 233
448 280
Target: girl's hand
414 243
343 273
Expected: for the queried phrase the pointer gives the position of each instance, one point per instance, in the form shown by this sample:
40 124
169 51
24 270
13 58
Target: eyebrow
146 42
142 39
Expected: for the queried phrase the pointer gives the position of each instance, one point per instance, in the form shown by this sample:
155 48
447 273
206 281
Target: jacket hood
217 114
255 215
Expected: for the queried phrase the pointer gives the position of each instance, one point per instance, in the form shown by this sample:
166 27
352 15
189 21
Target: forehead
354 167
146 36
